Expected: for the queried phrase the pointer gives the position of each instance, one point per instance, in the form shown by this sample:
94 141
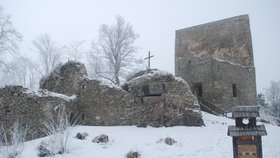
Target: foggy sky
154 20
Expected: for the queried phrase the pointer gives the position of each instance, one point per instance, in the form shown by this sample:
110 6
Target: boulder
101 139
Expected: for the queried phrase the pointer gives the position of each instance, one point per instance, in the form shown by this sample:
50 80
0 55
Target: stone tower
216 59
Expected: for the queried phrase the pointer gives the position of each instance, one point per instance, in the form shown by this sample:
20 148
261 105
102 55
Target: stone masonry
173 105
31 109
102 104
153 98
216 59
65 79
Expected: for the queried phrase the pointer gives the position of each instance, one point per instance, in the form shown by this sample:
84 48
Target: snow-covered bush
60 132
46 149
133 154
12 147
167 140
3 139
81 136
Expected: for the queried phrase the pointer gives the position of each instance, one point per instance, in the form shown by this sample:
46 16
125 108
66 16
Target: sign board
247 151
153 89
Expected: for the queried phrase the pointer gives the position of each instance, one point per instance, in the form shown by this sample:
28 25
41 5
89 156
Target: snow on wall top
152 74
45 93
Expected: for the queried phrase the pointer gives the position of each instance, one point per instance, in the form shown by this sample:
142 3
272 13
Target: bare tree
273 96
97 66
114 50
9 37
76 50
19 68
49 52
33 77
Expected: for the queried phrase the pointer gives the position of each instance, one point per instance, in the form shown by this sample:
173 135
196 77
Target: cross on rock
149 60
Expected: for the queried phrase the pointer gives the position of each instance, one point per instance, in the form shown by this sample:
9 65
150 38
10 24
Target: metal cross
149 60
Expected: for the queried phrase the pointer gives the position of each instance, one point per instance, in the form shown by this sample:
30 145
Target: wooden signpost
246 135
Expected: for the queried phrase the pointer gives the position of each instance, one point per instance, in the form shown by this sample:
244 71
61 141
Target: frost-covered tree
12 141
60 132
49 51
273 96
113 53
76 50
261 99
9 37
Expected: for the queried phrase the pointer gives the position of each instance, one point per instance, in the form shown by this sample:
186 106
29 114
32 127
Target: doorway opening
197 89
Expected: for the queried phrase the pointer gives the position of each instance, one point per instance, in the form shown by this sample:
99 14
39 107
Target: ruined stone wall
64 79
155 99
29 108
101 104
171 101
218 55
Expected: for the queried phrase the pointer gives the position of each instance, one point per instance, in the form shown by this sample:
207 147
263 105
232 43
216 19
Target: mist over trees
113 53
21 71
110 58
261 100
75 50
273 97
49 51
9 37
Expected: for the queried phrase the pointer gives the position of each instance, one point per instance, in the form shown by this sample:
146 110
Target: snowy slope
210 141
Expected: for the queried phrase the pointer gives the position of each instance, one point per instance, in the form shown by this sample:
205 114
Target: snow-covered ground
210 141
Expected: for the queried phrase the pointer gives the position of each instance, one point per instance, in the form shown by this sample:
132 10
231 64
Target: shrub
12 147
81 136
133 154
60 133
101 139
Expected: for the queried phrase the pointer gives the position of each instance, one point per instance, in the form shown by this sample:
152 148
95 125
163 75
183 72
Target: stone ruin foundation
150 97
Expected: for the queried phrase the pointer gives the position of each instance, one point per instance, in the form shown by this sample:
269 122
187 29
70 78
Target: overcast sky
154 20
